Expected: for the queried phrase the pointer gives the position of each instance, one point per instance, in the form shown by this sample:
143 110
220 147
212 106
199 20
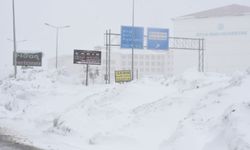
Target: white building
146 62
226 31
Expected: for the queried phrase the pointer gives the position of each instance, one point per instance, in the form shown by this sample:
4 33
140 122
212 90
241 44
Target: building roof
230 10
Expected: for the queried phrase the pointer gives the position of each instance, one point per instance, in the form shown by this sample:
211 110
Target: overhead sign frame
174 43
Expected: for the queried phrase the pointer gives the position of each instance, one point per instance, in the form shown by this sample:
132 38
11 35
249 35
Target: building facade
226 31
146 63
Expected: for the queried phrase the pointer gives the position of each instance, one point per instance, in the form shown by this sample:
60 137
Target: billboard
123 76
87 57
132 37
28 59
158 39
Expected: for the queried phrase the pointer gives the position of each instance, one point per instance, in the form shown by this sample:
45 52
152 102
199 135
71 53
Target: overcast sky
88 20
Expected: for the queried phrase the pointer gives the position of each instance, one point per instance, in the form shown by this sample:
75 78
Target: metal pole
133 18
87 73
109 53
14 39
203 59
133 13
57 35
199 56
137 74
106 75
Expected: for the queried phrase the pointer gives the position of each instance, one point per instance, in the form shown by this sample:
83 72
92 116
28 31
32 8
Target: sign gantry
157 39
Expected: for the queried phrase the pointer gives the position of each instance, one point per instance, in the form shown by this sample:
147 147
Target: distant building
226 31
146 63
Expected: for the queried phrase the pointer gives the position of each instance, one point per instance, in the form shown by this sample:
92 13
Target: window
136 63
153 57
124 57
159 57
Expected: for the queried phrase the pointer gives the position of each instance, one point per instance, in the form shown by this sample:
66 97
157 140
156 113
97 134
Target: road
7 144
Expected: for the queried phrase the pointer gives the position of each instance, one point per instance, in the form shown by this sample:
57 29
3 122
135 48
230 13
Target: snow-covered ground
194 111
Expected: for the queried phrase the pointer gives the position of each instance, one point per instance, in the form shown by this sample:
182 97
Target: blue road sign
158 39
130 40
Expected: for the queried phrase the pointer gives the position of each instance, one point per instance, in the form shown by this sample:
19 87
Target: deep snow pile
198 111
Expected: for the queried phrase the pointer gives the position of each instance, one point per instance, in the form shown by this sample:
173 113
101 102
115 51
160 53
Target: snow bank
199 111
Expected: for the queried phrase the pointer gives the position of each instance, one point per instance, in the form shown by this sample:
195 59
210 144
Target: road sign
132 37
123 76
28 59
87 57
158 39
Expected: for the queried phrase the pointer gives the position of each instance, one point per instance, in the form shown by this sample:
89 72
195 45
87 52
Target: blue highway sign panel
158 39
132 37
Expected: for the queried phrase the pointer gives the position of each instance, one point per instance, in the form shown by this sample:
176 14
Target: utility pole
133 24
14 39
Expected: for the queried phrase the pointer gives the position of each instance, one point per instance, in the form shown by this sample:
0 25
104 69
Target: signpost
122 76
132 37
87 57
28 59
158 39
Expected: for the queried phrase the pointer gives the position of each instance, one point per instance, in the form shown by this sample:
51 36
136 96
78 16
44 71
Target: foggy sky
88 20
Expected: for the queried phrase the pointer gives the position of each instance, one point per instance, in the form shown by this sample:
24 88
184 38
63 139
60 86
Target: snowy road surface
7 144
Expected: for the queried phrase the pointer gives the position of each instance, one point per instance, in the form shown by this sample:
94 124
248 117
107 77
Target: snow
198 111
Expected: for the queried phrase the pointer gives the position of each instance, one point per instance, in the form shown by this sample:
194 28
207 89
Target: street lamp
57 34
20 41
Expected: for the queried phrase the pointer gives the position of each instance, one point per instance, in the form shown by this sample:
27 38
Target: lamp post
57 35
14 38
20 41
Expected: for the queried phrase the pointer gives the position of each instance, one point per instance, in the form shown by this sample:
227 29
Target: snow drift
198 111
